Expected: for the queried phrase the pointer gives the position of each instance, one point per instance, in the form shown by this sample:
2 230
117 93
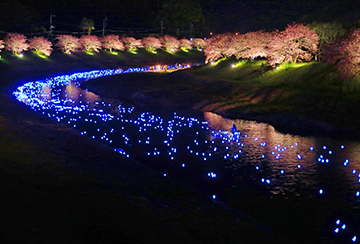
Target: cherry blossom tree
2 45
131 43
219 46
296 43
68 43
199 43
185 44
344 52
16 43
170 43
256 44
151 43
112 42
90 43
233 44
41 46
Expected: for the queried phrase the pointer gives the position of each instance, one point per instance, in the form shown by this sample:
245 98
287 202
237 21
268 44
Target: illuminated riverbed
208 152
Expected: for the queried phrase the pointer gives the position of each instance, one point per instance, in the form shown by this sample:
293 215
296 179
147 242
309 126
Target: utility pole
51 24
161 27
104 25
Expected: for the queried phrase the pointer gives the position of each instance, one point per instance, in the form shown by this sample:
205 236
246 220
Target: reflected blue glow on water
205 149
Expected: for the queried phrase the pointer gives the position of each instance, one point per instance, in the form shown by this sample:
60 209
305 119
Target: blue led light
159 136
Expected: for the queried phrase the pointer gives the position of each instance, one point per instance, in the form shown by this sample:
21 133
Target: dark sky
220 16
261 14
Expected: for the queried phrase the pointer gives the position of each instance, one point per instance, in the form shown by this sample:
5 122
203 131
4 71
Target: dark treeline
179 17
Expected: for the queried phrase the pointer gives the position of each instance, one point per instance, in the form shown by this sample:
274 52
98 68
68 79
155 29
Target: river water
313 183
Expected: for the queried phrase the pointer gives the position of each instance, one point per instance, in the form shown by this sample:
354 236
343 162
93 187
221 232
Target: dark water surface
307 187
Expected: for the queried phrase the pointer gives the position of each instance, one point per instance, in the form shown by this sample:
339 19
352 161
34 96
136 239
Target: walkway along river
309 186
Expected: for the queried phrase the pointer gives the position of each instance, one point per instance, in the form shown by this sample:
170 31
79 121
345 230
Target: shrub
68 43
111 42
41 46
90 42
16 43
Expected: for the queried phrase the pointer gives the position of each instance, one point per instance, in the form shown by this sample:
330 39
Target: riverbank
307 100
59 187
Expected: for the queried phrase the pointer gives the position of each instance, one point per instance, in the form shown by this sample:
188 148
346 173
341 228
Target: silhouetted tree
87 25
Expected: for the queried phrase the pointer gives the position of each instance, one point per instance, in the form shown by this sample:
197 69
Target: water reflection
204 149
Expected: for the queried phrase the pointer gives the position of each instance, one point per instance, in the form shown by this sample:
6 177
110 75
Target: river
302 185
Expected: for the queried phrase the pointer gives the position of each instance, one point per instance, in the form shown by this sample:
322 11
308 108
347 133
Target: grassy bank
302 98
302 92
59 187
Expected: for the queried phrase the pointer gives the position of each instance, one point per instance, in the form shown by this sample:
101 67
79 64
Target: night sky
206 15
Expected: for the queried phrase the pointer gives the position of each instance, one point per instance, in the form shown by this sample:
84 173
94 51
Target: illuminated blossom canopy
111 42
219 46
199 43
185 44
90 43
2 45
257 44
296 43
131 43
151 43
67 43
170 43
344 52
16 43
41 45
